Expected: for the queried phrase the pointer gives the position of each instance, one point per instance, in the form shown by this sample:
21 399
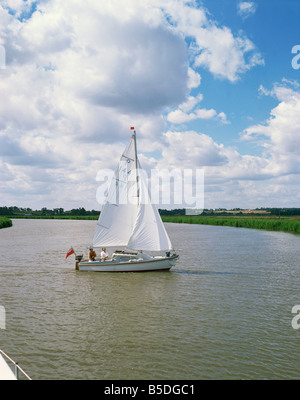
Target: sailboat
129 220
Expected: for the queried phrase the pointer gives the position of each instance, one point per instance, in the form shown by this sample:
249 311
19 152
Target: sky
211 85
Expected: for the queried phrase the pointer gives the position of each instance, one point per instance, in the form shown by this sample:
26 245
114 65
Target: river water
223 312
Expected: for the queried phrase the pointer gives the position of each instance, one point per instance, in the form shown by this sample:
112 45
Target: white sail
128 218
118 214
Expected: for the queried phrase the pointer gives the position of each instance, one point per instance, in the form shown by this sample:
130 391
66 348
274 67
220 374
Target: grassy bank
271 223
284 224
5 222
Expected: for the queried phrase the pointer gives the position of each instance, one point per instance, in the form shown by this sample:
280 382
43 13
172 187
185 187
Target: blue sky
274 29
207 84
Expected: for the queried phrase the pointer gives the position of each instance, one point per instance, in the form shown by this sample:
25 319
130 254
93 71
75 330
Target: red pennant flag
71 251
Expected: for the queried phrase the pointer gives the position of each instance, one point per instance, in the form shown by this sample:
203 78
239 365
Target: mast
136 166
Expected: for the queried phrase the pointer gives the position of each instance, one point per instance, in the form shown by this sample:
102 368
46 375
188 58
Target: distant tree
58 211
176 211
78 211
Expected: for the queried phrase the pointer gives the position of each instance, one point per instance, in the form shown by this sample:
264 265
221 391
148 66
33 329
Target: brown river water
223 312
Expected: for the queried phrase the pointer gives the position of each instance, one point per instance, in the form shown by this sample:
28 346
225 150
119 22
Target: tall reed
272 224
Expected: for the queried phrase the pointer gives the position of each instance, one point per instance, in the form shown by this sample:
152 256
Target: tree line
15 211
224 211
81 211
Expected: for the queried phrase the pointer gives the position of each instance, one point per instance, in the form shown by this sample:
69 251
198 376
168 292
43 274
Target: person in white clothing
104 255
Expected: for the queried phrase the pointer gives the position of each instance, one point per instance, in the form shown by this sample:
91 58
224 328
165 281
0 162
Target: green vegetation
35 216
272 223
45 213
274 219
288 212
5 222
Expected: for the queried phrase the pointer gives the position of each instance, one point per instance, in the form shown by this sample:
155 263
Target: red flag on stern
71 251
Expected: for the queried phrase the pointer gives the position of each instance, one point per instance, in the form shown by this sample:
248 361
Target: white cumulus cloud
246 8
280 133
79 74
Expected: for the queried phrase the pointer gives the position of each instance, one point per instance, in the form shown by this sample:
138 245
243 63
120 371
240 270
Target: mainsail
128 218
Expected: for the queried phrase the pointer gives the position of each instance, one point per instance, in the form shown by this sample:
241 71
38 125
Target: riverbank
271 223
73 217
5 222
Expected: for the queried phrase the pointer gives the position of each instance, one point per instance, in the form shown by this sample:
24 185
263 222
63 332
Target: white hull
6 373
153 264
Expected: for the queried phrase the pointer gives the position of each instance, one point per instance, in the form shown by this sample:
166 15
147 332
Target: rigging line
120 180
128 158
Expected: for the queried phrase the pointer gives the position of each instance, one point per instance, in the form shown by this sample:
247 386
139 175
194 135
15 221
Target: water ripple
224 311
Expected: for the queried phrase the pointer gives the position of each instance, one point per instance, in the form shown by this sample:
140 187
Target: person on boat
92 254
104 255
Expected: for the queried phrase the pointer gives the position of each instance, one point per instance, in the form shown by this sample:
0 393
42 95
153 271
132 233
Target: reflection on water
223 312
